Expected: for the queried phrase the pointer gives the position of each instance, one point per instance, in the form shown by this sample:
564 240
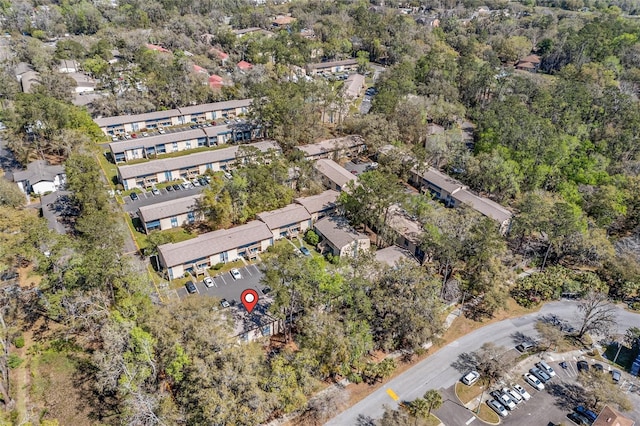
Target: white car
161 131
515 396
498 408
522 391
504 399
546 368
208 281
533 381
145 134
236 274
470 378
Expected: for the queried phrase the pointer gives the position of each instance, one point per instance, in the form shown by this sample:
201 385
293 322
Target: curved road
435 372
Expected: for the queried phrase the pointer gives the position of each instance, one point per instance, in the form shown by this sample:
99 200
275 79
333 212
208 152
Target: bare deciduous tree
598 314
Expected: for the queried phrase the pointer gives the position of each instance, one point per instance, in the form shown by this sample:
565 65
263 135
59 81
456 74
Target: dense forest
560 147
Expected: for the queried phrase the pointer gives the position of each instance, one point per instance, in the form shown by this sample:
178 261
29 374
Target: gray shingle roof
38 171
332 64
483 205
337 230
331 145
168 208
317 203
334 172
188 161
293 213
441 180
213 243
150 141
217 106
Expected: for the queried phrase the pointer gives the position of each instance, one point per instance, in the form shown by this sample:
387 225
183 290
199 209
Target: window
188 144
174 222
167 176
224 257
191 217
175 146
266 330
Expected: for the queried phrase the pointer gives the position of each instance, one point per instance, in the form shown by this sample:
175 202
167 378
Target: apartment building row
173 117
147 174
159 144
245 241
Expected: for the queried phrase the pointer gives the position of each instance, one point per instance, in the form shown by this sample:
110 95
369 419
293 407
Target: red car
133 135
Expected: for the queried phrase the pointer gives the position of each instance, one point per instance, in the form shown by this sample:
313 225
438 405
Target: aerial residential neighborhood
292 212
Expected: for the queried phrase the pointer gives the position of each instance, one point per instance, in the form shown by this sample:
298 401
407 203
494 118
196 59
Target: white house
40 178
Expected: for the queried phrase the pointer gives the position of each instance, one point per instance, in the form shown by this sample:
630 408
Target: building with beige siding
222 246
333 175
289 221
339 238
122 124
146 174
321 205
170 214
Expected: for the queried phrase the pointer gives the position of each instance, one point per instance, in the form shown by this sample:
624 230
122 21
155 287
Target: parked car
522 391
145 134
546 368
225 303
195 182
176 187
161 130
616 375
505 400
544 377
305 251
155 191
134 196
470 378
208 281
581 409
579 419
598 367
202 181
134 135
525 347
191 287
498 408
515 396
235 274
533 381
186 185
583 366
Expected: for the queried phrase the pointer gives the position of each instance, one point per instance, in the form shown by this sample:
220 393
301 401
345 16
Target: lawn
109 169
486 414
625 357
141 239
467 393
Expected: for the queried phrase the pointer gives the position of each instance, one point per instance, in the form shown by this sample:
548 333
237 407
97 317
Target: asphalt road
436 371
225 287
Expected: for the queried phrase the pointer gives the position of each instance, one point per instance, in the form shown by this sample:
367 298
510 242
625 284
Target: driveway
436 371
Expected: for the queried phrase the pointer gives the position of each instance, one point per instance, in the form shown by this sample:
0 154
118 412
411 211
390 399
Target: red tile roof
157 48
219 53
244 65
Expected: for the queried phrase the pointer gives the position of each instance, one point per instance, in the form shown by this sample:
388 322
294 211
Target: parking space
225 287
147 198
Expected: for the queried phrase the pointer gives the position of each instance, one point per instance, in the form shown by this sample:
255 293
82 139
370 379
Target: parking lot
561 395
147 198
227 288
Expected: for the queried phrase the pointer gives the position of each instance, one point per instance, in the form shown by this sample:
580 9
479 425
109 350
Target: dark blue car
587 413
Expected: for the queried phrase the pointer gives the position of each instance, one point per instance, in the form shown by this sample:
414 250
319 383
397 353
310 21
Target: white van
470 378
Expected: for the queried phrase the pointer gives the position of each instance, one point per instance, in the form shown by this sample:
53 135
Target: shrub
312 238
19 342
217 266
14 361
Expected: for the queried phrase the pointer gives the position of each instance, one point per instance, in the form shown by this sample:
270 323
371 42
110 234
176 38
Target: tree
433 399
10 194
632 338
550 334
600 390
598 314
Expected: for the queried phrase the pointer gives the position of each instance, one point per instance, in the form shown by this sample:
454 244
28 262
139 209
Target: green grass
625 357
467 393
110 170
178 154
177 234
